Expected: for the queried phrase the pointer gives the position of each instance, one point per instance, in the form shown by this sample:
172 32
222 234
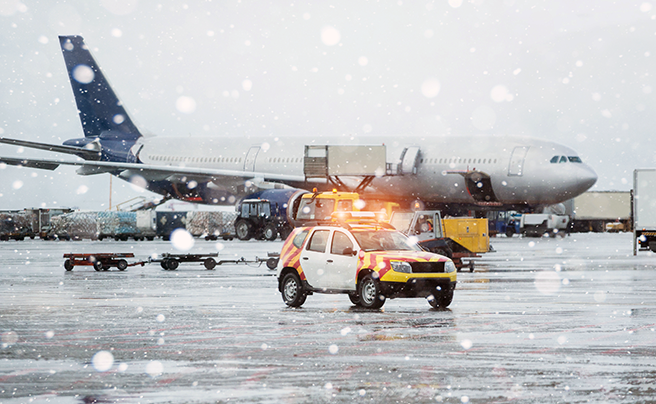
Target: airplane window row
285 159
458 160
563 159
198 159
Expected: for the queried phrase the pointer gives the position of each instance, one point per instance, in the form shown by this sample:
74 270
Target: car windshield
384 241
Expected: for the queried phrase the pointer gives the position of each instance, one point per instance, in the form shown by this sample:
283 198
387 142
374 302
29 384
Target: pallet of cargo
100 261
170 261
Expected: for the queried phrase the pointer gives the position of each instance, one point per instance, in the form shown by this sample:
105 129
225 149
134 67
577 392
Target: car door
313 258
342 261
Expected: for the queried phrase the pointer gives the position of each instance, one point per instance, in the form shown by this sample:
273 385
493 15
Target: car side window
300 238
318 241
340 243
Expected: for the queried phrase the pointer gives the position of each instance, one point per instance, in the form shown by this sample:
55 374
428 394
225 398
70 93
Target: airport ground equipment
171 261
100 261
644 210
266 214
541 224
503 222
600 211
456 238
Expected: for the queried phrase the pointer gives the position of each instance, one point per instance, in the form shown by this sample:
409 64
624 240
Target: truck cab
319 206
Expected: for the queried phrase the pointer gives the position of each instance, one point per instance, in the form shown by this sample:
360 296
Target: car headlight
449 267
401 266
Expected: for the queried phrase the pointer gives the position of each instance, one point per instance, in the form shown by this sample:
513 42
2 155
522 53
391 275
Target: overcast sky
575 72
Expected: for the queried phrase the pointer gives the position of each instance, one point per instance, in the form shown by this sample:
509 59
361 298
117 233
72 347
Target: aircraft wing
87 154
148 171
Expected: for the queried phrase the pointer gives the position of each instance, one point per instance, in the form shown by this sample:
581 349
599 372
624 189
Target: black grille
427 267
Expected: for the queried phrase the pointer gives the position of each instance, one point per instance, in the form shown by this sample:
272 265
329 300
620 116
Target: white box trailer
600 211
644 210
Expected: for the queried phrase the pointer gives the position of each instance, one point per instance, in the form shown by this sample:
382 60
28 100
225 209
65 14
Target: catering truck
644 210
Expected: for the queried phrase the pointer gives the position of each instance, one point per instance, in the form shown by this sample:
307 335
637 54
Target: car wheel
369 293
122 265
292 290
354 298
172 264
243 230
209 263
164 264
270 232
441 300
509 231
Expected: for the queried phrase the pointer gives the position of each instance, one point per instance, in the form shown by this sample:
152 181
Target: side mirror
348 251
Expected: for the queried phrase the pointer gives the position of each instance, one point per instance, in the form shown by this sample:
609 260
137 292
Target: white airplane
474 172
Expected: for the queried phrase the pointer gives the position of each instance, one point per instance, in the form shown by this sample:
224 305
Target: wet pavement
540 320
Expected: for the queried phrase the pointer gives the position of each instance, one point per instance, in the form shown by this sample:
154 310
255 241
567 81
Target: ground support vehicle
100 261
541 224
466 237
266 214
368 261
170 262
598 211
644 214
503 222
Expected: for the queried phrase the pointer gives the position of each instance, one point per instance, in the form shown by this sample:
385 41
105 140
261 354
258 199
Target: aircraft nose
585 178
588 177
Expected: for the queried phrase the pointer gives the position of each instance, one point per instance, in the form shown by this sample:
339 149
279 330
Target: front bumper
417 287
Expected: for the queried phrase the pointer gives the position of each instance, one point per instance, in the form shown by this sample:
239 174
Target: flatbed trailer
170 261
100 261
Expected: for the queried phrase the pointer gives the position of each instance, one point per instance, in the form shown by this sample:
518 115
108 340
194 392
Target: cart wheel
272 263
165 264
122 265
98 266
471 266
209 263
68 265
172 264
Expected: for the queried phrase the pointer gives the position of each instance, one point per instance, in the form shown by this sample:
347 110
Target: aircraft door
409 159
516 167
249 162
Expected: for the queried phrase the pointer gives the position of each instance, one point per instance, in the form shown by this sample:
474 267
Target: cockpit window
564 159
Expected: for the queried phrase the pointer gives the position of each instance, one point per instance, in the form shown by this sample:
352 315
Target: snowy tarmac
540 320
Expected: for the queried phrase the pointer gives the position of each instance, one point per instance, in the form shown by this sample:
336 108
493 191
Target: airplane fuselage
519 168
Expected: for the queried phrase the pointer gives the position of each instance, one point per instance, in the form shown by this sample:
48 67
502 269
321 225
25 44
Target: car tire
244 230
354 298
369 293
270 232
292 290
441 299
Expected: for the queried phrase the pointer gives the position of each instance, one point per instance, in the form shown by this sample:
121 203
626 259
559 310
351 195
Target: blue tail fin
101 112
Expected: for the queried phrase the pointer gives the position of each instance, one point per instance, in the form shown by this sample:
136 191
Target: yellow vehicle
319 206
456 238
469 232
